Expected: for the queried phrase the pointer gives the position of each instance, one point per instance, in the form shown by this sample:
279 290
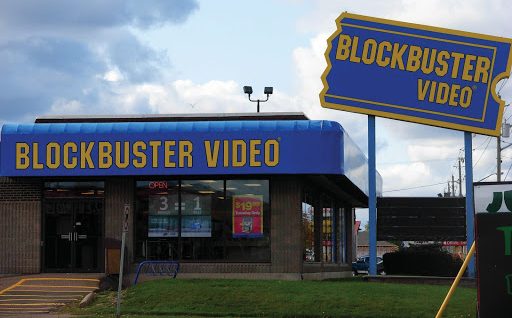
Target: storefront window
308 228
249 220
72 189
343 236
327 234
157 219
210 220
202 215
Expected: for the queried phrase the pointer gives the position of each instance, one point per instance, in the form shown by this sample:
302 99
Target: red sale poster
247 216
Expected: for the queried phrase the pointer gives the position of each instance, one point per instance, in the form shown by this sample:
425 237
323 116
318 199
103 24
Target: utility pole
453 186
505 132
498 157
460 177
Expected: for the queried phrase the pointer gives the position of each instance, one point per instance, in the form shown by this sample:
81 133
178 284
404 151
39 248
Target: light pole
268 91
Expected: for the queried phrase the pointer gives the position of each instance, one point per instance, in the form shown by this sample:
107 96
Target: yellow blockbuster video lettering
146 154
424 61
416 73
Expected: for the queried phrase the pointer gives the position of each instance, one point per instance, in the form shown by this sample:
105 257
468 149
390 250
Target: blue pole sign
416 73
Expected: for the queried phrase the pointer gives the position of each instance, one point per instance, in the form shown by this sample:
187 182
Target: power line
492 172
507 172
418 187
506 107
485 140
503 84
482 154
415 161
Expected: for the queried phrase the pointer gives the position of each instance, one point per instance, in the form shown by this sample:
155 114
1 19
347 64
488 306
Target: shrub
423 260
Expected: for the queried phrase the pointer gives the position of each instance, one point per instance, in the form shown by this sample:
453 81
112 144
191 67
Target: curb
87 300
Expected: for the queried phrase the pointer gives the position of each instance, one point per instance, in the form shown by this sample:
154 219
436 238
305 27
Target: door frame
100 245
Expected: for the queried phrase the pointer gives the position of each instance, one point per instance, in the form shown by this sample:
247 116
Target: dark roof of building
362 240
171 117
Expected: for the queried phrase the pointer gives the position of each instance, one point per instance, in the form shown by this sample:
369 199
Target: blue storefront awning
182 148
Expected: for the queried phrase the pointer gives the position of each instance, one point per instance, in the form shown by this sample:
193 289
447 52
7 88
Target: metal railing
161 268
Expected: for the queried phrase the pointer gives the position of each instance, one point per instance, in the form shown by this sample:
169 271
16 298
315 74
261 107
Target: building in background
383 247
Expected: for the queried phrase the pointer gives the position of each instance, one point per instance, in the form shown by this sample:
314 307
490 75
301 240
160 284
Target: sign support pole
372 196
470 214
121 263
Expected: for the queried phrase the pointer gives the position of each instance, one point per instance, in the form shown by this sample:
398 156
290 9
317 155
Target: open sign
158 185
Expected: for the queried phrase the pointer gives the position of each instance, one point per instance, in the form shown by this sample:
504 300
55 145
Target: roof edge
171 117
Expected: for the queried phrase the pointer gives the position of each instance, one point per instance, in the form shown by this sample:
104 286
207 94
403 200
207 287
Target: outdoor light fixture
267 91
248 90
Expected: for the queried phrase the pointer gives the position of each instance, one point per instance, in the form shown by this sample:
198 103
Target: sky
191 56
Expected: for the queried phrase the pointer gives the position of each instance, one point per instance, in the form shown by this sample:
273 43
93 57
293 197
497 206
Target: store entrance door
73 234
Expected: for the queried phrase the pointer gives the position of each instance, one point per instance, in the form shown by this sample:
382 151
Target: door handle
76 236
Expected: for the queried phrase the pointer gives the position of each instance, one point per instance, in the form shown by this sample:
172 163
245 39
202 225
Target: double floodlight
267 91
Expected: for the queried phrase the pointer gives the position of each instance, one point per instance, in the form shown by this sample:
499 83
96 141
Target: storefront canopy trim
182 148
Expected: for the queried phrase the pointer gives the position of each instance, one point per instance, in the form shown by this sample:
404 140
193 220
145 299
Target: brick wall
285 223
20 189
20 225
224 268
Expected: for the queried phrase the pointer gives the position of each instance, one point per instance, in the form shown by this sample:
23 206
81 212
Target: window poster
165 204
162 226
247 216
196 226
196 220
163 215
196 204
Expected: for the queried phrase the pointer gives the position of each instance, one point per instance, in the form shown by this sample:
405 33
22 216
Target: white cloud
66 107
432 150
113 75
406 175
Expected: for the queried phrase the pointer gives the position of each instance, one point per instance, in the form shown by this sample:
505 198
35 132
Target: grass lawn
244 298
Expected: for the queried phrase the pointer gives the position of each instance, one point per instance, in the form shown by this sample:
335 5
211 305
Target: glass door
73 232
73 226
87 235
58 234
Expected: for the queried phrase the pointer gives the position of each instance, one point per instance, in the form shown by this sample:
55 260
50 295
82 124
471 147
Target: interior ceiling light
205 192
252 184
